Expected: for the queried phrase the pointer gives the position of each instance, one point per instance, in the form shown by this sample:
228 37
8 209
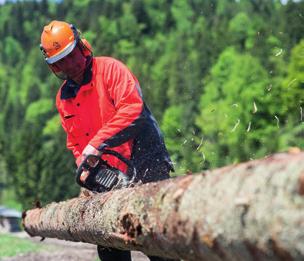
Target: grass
12 246
8 199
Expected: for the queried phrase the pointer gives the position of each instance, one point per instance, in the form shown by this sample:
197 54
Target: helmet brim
62 54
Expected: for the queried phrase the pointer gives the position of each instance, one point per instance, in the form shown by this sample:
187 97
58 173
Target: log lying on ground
249 211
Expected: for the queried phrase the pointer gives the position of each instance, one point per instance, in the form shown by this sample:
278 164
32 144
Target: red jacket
101 109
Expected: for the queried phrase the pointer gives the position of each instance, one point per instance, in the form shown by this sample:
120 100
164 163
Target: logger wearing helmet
65 52
100 103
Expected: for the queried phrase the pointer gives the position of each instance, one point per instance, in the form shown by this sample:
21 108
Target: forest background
224 78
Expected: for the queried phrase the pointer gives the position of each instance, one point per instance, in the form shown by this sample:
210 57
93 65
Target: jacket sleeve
125 93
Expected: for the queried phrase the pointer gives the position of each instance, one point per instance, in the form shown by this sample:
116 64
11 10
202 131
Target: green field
11 246
9 200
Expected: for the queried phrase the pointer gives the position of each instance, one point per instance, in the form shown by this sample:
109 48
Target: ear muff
85 46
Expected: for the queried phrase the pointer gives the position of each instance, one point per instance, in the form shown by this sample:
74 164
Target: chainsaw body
101 176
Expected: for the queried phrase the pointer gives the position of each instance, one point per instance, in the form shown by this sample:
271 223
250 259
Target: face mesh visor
70 66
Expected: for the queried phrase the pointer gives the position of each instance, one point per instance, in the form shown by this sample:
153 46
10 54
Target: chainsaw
103 177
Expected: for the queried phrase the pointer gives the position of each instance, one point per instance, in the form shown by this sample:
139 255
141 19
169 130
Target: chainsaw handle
129 163
84 166
103 150
119 156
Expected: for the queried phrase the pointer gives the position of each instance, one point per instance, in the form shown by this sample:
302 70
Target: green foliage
180 141
8 198
82 3
57 180
52 126
242 31
37 110
45 171
293 85
293 100
172 128
292 136
235 110
293 22
12 50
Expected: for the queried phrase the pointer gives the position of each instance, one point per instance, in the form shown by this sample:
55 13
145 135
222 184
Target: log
249 211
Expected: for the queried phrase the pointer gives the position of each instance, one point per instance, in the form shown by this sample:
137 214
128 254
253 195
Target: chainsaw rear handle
129 163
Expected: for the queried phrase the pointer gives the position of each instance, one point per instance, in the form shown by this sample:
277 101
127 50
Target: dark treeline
224 79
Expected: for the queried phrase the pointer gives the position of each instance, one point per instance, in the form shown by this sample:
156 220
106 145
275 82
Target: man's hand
84 175
88 150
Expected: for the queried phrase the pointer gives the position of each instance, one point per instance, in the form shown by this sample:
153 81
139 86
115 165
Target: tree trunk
249 211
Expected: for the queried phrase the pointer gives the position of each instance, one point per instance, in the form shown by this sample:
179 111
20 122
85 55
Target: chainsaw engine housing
103 177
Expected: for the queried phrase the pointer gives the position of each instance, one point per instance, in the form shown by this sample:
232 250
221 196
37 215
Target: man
100 104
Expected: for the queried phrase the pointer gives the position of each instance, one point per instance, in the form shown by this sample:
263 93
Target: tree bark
249 211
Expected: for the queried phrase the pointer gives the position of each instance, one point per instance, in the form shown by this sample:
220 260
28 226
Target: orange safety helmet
58 39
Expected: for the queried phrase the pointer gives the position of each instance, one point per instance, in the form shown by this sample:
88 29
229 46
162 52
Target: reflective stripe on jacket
109 109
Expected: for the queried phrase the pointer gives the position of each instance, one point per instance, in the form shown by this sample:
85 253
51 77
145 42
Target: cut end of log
294 150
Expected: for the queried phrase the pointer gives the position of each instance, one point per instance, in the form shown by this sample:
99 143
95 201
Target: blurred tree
293 85
292 106
12 51
293 16
234 118
242 31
